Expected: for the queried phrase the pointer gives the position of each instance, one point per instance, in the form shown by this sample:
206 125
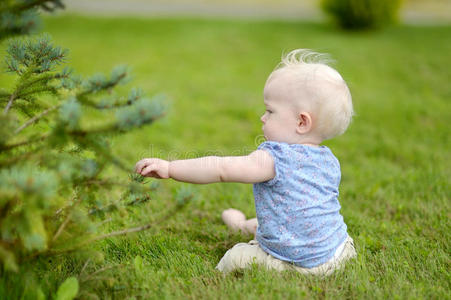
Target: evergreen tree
52 162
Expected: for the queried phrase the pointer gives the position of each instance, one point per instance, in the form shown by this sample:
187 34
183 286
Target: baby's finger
148 169
137 166
140 165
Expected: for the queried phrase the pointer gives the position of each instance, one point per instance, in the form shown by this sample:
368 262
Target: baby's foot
251 225
236 220
233 218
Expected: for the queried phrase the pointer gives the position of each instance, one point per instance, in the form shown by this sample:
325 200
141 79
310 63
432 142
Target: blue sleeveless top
298 213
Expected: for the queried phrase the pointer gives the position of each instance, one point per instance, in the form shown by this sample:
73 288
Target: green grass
395 191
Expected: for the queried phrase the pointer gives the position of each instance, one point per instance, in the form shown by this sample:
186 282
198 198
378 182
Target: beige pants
244 254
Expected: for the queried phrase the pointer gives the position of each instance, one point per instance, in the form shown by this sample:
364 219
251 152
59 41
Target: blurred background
413 11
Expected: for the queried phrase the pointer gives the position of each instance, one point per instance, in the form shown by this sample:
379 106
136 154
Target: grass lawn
395 157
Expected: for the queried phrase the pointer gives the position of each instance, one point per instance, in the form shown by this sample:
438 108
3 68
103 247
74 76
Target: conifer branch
17 93
96 86
36 91
165 217
112 105
10 103
43 78
69 216
36 118
106 182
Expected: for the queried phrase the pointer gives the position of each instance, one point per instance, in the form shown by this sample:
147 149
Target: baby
295 180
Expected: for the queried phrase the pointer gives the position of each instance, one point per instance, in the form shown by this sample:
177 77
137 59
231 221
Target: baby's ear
304 123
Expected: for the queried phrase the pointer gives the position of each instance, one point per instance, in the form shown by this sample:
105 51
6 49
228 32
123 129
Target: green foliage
33 56
362 14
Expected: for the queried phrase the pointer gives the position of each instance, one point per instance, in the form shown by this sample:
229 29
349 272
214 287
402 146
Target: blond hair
329 94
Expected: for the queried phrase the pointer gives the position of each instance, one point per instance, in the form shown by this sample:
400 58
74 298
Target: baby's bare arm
255 167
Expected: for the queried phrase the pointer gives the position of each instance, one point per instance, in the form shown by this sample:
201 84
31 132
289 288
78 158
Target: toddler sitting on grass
295 180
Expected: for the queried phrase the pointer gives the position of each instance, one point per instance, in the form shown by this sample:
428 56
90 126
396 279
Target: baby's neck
310 144
309 141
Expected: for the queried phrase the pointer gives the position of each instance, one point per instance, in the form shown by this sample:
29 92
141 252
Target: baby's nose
262 118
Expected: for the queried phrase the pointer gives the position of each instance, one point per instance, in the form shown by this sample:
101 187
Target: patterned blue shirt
298 211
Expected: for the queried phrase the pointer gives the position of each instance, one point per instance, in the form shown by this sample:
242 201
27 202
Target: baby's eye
269 111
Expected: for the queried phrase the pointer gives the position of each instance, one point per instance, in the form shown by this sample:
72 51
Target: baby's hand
153 167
